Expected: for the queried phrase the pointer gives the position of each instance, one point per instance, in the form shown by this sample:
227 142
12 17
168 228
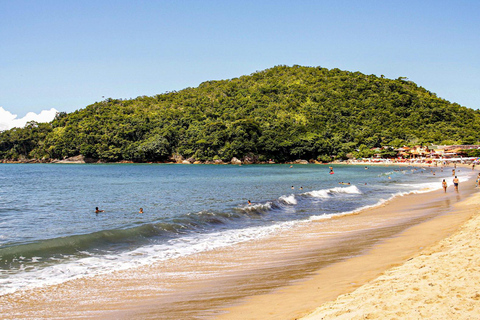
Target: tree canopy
282 113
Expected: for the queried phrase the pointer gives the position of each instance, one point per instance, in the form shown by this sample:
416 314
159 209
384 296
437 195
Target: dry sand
442 282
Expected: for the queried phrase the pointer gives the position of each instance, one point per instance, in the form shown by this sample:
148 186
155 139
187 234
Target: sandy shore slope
442 282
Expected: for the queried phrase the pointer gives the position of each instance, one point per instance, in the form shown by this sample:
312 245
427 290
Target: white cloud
9 120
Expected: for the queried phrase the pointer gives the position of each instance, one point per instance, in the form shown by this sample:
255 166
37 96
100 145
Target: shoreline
439 282
231 276
235 161
340 279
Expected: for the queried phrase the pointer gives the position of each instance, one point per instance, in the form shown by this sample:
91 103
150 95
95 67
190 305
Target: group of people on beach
455 184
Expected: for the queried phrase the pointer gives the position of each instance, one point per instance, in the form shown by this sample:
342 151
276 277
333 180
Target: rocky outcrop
300 161
235 161
76 159
177 158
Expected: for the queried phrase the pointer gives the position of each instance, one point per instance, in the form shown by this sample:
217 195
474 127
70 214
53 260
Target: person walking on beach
444 185
455 183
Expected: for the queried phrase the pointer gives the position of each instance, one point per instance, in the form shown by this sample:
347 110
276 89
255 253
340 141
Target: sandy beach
441 282
290 275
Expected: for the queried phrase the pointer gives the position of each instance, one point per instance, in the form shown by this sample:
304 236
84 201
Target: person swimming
141 210
249 203
98 210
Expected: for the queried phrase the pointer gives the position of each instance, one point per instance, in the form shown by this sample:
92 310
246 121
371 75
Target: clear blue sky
68 54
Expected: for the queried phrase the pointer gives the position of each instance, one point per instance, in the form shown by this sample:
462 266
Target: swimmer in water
98 210
141 210
249 203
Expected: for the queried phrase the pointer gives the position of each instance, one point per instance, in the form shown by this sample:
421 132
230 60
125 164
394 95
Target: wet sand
442 282
281 277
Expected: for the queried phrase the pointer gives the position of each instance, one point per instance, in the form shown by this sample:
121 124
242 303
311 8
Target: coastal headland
290 274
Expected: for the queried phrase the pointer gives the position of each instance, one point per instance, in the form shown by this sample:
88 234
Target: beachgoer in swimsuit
455 183
249 203
444 185
141 210
97 210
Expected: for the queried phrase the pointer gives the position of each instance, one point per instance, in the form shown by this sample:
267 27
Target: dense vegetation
283 113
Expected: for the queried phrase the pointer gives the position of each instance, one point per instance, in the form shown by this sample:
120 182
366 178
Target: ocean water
50 233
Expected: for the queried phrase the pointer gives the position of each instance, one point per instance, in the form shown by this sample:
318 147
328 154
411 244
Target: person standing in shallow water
444 185
455 183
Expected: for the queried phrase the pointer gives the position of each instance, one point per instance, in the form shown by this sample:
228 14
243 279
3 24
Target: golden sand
442 282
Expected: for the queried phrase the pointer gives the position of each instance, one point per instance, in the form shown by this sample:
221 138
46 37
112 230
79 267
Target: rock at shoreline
235 161
76 159
186 162
177 158
299 161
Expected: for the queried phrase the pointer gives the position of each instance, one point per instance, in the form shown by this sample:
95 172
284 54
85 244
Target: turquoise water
49 231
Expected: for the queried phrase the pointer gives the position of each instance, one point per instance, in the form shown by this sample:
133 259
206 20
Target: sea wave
289 200
257 207
92 265
326 193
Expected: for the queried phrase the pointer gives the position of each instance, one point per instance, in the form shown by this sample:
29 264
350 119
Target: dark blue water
49 231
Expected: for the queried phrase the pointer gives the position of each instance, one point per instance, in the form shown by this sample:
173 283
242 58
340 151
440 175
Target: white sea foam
97 265
330 216
257 207
288 199
431 186
325 193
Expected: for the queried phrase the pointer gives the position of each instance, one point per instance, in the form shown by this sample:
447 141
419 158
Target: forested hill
283 113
